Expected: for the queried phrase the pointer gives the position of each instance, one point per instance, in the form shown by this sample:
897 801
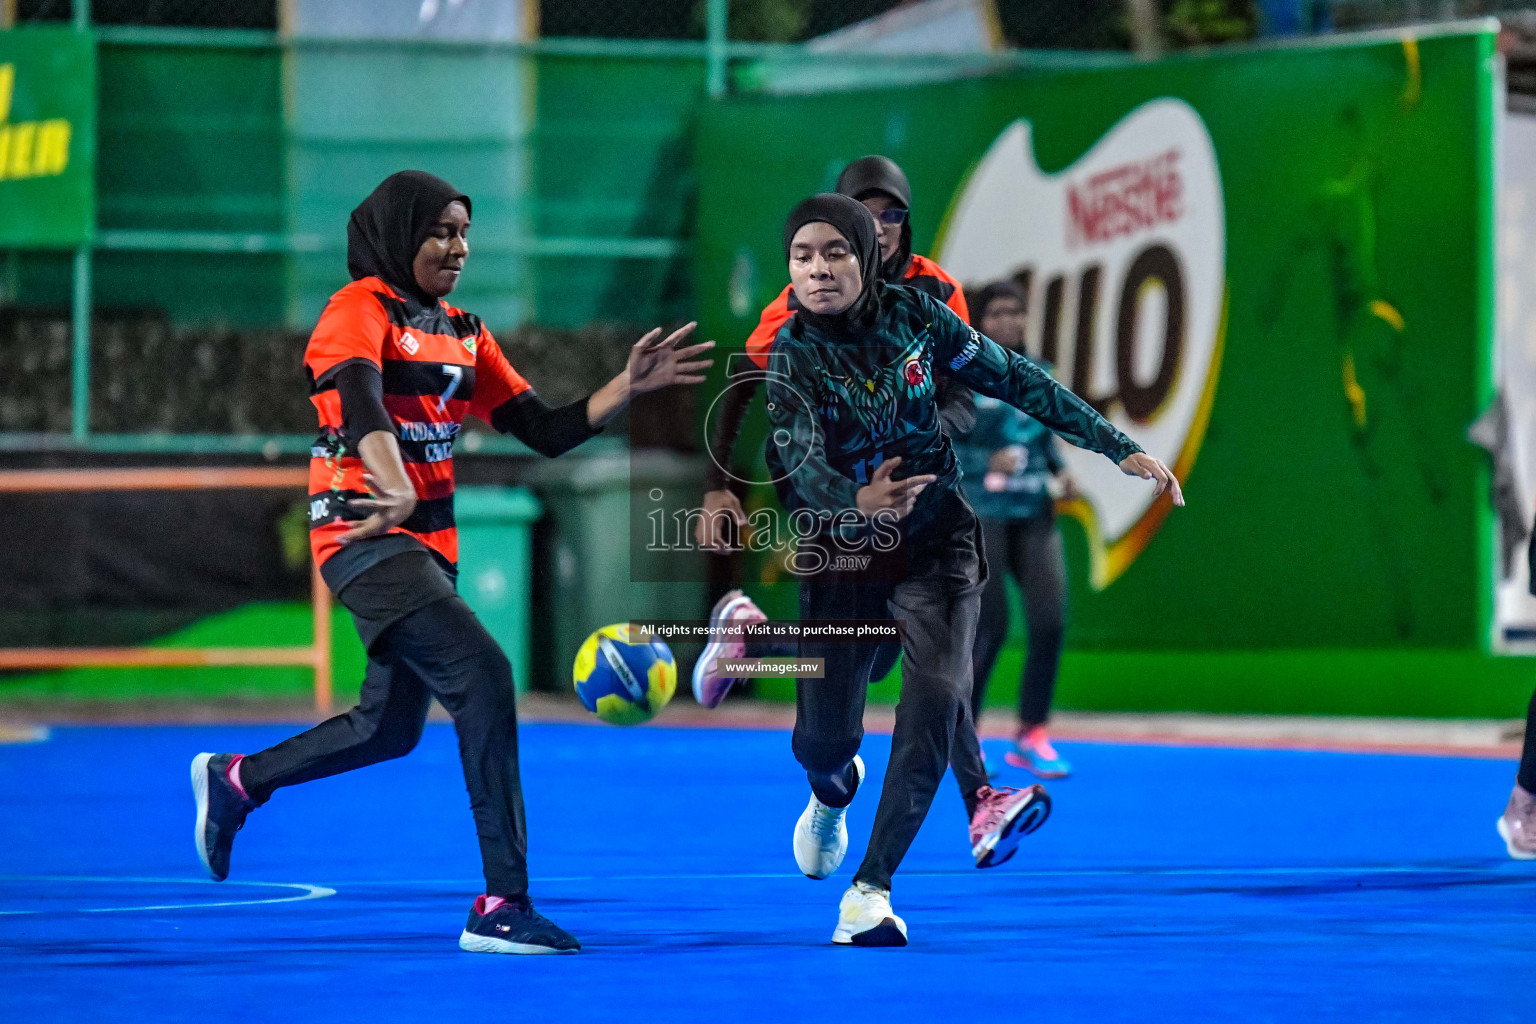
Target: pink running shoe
709 687
1002 818
1033 752
1517 825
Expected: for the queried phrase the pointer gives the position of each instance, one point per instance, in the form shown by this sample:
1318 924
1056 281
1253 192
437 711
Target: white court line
306 892
1061 873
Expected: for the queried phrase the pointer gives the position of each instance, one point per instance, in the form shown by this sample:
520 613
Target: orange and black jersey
922 274
437 365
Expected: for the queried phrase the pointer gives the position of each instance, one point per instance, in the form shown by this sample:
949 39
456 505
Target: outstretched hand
655 364
1145 466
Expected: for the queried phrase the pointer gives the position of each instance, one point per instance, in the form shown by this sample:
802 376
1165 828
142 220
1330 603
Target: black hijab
855 223
869 175
387 229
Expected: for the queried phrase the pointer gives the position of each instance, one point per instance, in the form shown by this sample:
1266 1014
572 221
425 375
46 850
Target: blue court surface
1171 884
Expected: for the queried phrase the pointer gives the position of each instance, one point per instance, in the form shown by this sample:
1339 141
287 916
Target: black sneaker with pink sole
221 811
499 925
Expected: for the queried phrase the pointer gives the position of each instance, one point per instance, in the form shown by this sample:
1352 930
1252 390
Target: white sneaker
865 918
821 834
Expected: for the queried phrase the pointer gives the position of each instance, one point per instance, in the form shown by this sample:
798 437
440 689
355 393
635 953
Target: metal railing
316 655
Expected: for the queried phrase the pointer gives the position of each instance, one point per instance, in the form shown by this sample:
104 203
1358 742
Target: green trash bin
595 572
496 565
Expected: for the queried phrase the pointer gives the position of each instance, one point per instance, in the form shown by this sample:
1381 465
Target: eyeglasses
894 216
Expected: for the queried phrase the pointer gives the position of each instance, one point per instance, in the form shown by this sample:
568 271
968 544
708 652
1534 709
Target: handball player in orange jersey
393 373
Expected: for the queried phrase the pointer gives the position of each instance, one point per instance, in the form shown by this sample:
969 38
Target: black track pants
439 651
934 587
1527 775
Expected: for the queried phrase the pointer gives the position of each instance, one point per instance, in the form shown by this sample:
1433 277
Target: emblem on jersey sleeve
914 372
409 344
469 344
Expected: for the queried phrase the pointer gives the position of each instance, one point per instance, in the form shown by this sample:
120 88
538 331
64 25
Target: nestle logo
1125 199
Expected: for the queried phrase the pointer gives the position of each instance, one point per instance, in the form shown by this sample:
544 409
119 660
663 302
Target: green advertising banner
47 138
1273 267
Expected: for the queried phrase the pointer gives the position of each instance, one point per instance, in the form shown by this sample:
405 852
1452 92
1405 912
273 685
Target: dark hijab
855 223
387 229
868 176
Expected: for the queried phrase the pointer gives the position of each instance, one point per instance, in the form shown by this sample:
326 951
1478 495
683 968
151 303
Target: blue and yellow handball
624 680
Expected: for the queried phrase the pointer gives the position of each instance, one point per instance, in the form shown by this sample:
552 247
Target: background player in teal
851 397
1013 473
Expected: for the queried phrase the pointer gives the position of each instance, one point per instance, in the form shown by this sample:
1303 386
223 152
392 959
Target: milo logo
1122 259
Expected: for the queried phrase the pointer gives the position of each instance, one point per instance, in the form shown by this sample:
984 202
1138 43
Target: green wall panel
613 158
268 140
357 114
191 138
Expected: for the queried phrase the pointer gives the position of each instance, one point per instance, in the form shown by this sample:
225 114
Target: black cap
875 174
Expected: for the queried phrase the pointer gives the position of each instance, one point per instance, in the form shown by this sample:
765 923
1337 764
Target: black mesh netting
180 13
149 376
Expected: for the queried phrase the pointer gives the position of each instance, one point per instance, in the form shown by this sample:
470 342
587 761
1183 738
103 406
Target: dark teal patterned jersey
840 406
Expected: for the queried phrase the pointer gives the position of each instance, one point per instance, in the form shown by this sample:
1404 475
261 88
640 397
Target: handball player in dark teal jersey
851 393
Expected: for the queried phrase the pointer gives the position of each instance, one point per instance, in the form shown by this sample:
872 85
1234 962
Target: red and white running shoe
1003 817
709 687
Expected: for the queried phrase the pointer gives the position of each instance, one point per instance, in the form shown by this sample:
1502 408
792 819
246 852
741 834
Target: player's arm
654 363
956 302
504 399
345 352
730 413
720 502
981 363
360 385
1055 465
549 430
957 406
510 405
953 297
